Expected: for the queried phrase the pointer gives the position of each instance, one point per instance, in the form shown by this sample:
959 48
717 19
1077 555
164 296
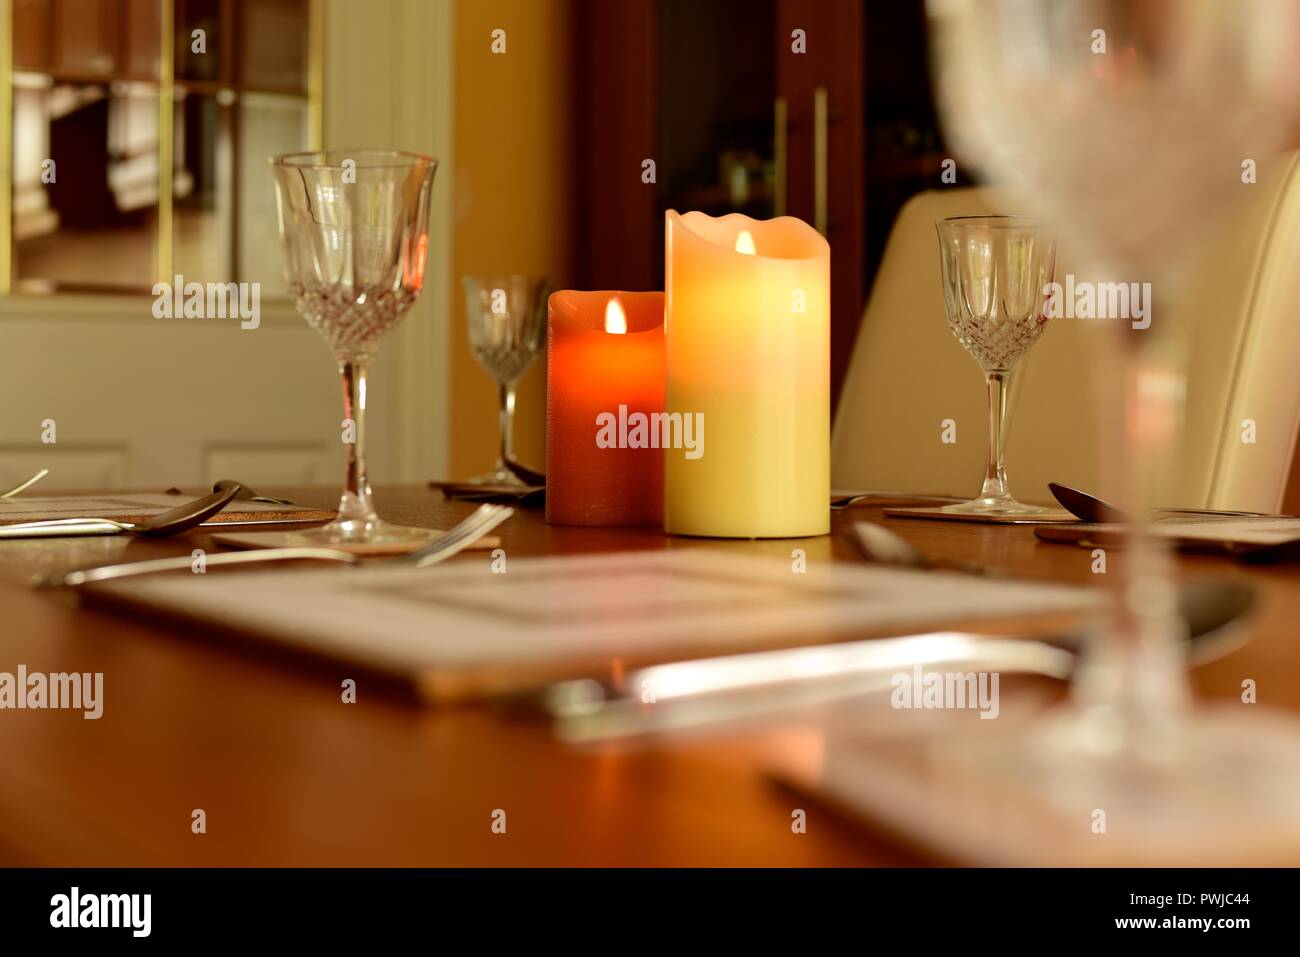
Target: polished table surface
289 775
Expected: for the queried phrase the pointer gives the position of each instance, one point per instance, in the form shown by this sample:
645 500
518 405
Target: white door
105 395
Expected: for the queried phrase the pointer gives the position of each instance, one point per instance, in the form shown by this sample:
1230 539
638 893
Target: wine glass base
373 535
1226 793
999 507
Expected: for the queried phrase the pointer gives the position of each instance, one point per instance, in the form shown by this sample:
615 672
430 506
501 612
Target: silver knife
707 691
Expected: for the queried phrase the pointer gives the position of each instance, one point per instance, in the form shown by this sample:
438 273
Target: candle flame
615 318
745 243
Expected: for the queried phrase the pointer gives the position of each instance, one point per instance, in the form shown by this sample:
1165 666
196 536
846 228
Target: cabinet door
32 34
86 37
725 103
819 80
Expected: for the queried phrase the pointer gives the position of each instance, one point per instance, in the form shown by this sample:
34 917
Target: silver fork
459 537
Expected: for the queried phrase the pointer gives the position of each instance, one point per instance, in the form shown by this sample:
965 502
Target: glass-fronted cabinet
819 109
135 127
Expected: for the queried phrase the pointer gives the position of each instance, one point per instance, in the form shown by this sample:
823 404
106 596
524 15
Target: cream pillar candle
748 343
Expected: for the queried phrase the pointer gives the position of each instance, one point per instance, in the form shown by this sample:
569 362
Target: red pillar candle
605 374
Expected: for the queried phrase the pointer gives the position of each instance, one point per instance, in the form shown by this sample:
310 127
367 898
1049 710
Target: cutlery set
1099 524
718 690
194 513
172 522
456 539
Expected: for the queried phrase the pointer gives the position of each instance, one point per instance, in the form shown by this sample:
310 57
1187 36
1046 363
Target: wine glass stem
995 478
1132 684
356 504
507 400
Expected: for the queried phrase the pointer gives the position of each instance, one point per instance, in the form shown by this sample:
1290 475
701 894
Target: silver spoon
1093 510
839 502
878 544
246 494
1206 607
172 522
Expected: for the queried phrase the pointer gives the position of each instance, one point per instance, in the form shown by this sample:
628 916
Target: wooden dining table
288 774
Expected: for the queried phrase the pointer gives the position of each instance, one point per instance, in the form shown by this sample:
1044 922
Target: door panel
74 466
157 402
283 464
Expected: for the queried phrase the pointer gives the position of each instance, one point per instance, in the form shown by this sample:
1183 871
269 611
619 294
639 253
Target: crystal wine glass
1128 121
355 229
507 325
996 270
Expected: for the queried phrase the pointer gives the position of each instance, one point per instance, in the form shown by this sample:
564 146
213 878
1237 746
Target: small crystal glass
507 326
996 274
355 229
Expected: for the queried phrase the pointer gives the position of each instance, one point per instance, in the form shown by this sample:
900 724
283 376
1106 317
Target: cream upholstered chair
1241 303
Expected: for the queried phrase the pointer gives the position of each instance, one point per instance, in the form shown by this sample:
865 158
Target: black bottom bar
666 909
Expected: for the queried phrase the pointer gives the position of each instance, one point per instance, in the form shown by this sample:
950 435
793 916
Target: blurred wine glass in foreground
1127 122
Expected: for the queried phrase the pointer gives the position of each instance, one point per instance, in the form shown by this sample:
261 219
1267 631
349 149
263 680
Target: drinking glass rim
319 159
1009 220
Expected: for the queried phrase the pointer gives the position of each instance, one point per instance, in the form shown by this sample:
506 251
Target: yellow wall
513 196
